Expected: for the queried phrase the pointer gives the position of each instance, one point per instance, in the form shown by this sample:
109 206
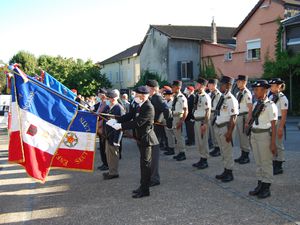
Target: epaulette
229 97
180 96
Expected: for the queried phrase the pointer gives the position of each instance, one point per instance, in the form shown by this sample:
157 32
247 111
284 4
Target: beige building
123 69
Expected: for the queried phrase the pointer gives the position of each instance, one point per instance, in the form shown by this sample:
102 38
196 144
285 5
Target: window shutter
179 70
190 70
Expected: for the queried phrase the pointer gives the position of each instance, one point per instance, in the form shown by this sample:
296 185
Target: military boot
227 177
257 189
277 167
181 156
237 160
170 151
203 164
219 177
216 152
265 190
197 163
244 158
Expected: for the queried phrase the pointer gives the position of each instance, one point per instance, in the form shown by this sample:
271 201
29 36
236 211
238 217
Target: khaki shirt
282 103
181 103
215 100
268 114
203 104
229 108
246 99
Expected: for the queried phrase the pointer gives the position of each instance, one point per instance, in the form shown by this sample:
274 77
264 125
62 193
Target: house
173 52
291 34
255 40
122 69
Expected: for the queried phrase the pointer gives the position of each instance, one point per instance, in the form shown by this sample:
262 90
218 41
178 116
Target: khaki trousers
212 132
263 156
180 143
201 141
243 138
171 137
225 147
279 146
112 155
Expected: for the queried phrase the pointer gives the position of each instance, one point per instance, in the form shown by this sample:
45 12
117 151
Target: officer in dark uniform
189 122
140 118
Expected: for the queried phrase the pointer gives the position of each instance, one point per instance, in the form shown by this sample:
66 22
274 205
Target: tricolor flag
56 85
40 120
77 149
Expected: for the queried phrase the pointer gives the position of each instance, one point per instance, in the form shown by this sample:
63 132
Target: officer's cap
102 91
167 92
226 80
111 94
213 81
177 83
152 83
142 90
276 81
261 83
202 81
166 87
242 77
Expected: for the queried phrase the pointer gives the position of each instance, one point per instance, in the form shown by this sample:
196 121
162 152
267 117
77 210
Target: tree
147 75
2 79
208 69
27 61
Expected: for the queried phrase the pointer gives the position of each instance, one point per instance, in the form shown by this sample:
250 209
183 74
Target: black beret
177 83
167 92
202 81
242 77
111 94
261 83
213 81
276 81
142 90
226 80
152 83
102 91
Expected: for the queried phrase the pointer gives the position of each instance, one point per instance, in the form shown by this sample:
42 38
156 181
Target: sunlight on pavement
6 172
15 217
36 191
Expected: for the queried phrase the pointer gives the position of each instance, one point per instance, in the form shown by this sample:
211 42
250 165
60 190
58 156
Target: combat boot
197 163
170 151
244 158
216 152
219 177
237 160
181 156
265 190
227 177
203 164
277 167
257 189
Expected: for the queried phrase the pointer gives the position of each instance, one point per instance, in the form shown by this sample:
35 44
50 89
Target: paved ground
186 196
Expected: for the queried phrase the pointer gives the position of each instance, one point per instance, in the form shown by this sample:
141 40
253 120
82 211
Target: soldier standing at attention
215 95
201 114
263 135
189 123
244 98
228 109
282 104
179 113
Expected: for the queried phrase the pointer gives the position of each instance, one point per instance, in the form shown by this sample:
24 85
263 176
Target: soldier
189 123
201 115
263 135
179 113
244 98
215 95
227 111
282 104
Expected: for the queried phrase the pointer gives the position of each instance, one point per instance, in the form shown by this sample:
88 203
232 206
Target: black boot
227 177
277 167
216 152
197 163
203 164
257 189
219 177
237 160
181 156
170 151
265 190
244 158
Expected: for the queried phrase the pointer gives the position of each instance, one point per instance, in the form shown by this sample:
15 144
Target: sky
99 29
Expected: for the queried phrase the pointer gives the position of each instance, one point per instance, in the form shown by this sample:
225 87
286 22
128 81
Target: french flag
77 149
40 121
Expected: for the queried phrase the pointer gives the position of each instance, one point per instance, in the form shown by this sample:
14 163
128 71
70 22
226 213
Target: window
185 70
253 50
293 41
228 56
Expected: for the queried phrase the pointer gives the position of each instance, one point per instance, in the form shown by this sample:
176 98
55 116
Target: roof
292 20
224 34
259 3
122 55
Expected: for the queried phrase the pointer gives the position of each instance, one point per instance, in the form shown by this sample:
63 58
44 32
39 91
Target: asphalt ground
185 196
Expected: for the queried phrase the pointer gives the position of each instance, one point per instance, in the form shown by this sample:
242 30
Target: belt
257 130
243 113
222 125
199 119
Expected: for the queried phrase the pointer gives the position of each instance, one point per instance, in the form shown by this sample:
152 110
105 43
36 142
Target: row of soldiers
218 114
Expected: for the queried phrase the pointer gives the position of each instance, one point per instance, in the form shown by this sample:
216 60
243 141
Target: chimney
214 32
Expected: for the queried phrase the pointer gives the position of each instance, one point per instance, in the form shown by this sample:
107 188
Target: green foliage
147 75
2 79
85 77
27 61
208 69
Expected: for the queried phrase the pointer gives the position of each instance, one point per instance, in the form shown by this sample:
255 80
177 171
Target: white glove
111 122
117 126
115 144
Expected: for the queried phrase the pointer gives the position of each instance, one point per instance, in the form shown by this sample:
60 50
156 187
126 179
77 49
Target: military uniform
201 108
260 142
244 98
282 103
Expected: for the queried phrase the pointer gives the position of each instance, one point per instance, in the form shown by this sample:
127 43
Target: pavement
186 195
